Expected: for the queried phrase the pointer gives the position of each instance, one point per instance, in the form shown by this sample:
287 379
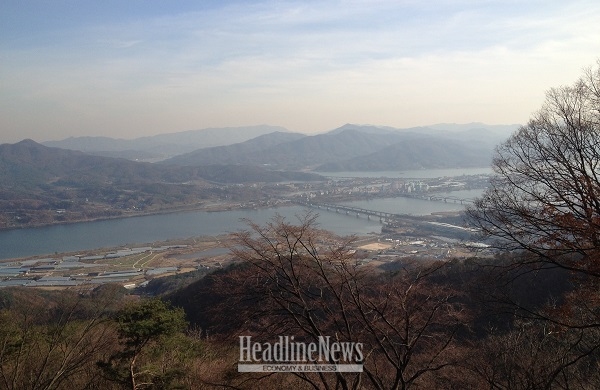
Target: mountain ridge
162 146
363 147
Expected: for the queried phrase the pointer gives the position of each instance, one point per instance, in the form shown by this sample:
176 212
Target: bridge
349 210
439 198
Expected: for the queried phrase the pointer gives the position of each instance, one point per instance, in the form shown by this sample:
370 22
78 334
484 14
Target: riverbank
158 227
212 207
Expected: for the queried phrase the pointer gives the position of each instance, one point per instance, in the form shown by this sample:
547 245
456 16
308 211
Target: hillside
28 164
424 153
296 153
236 153
42 185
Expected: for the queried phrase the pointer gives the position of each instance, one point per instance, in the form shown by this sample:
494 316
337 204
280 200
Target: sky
130 68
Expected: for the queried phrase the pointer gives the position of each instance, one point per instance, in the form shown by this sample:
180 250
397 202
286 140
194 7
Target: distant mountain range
276 146
350 147
38 180
361 147
162 146
262 157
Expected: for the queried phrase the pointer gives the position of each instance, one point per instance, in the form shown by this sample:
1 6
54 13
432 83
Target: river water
144 229
412 206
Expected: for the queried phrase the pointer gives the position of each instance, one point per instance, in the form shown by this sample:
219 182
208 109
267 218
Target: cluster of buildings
78 270
353 188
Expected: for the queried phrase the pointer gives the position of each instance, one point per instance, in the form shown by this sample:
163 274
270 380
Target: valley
45 185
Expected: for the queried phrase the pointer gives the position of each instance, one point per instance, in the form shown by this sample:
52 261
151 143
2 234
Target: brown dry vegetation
427 324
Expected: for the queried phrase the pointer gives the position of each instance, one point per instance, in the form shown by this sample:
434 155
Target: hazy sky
127 68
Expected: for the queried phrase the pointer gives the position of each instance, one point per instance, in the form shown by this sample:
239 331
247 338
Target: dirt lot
376 246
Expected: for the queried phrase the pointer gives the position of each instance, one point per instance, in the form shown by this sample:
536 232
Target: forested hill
43 185
28 164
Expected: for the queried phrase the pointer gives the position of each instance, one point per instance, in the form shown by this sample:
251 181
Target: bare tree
544 197
545 194
538 357
543 204
54 347
298 280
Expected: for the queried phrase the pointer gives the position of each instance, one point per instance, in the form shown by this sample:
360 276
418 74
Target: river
159 227
412 206
144 229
